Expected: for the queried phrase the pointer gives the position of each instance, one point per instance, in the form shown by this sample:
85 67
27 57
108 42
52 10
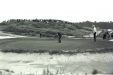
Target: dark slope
48 27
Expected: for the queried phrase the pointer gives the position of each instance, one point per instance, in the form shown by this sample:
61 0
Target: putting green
52 44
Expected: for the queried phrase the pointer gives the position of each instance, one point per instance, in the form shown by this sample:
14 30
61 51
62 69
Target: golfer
59 37
94 32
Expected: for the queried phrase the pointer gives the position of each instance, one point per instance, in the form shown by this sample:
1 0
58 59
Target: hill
102 25
48 27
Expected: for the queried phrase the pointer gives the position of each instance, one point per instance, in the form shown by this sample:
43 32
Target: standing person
104 36
40 34
59 37
94 32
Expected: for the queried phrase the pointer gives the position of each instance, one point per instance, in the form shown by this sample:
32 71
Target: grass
41 45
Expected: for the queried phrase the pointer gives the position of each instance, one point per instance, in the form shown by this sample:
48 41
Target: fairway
37 44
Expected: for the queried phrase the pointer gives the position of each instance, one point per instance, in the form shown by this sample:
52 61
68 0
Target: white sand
80 63
7 35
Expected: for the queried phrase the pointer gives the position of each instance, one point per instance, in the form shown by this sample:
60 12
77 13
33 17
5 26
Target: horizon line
52 19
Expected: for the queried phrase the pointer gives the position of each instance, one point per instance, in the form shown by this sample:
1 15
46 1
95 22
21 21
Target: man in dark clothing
40 35
59 37
104 36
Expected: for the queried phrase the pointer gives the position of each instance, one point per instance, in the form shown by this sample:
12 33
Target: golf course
24 52
42 45
43 56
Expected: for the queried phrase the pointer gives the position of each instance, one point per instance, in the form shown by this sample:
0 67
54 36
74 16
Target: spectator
40 35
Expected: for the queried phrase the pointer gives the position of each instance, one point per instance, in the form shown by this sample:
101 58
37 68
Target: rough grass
68 46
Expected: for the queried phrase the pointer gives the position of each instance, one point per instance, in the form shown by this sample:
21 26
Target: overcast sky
68 10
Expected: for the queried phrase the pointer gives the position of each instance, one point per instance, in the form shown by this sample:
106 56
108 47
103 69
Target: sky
68 10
